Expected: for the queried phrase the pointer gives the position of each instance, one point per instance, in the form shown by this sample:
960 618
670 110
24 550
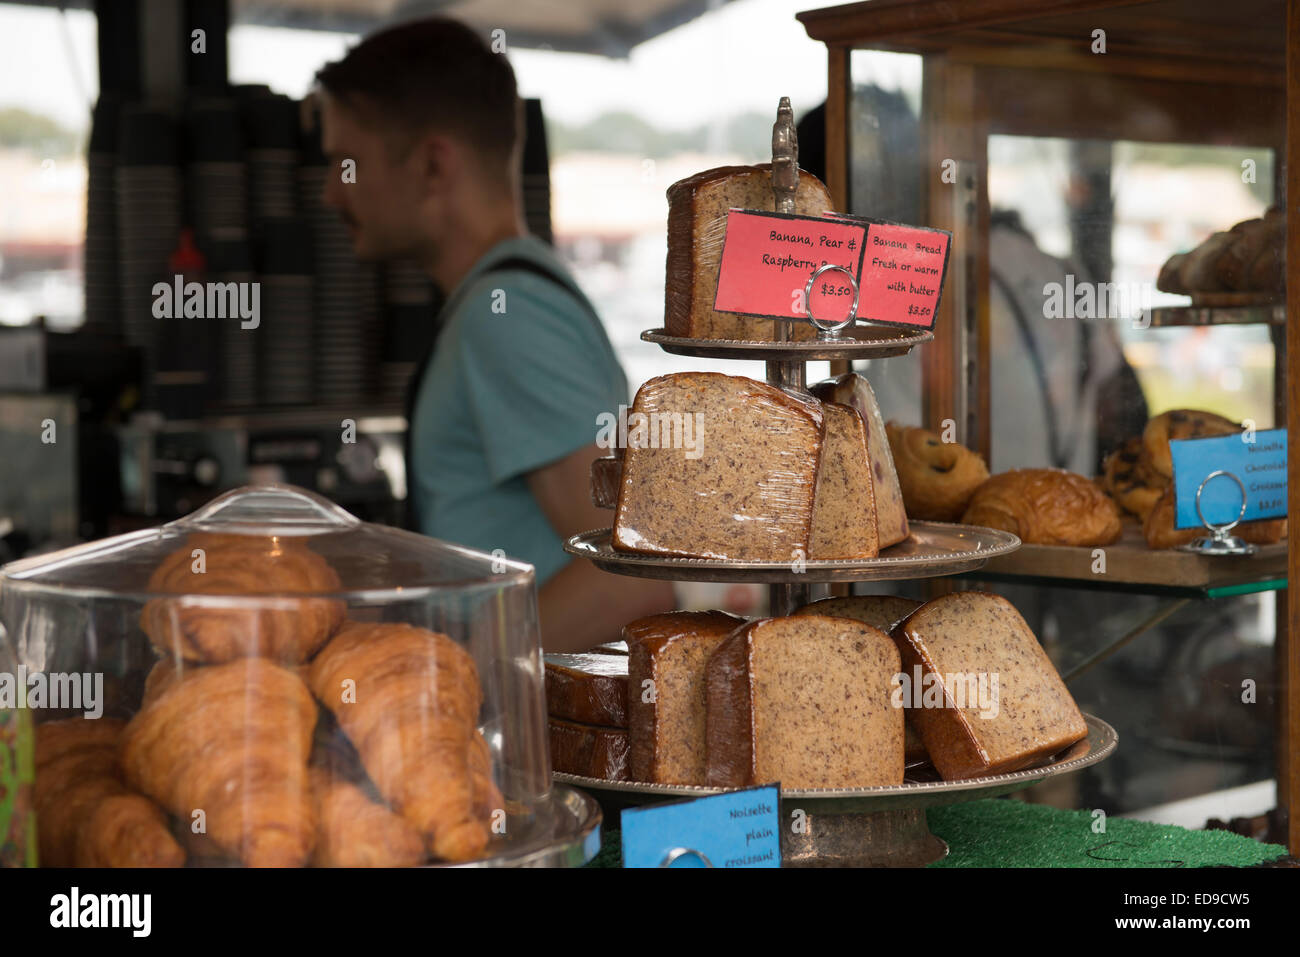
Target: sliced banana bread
806 701
844 508
697 225
883 612
591 688
666 704
742 490
878 611
854 390
976 644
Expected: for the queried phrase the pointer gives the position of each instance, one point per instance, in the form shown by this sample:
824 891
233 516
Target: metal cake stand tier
932 549
868 827
857 342
568 835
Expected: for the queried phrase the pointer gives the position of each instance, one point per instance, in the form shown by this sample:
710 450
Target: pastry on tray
255 615
408 699
1045 507
1129 480
1248 258
938 478
1159 531
1179 424
86 816
231 741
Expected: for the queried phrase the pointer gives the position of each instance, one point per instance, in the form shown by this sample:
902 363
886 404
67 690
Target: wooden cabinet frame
1175 71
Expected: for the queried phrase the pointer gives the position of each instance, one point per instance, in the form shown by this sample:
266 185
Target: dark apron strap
422 367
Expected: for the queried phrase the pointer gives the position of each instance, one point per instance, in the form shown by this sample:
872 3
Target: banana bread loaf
591 688
589 750
854 390
697 225
605 476
666 706
742 487
975 645
883 612
878 611
844 506
806 701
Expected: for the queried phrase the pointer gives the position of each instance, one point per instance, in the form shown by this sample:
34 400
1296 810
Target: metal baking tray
932 549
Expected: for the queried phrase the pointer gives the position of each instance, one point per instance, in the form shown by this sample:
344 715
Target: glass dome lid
365 560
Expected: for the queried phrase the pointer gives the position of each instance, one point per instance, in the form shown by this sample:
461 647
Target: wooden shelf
1132 566
1272 314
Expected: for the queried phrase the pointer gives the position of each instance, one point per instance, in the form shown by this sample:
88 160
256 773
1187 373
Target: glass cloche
270 681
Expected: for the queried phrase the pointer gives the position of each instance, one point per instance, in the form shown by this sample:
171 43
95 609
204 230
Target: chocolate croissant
200 626
85 814
408 699
231 741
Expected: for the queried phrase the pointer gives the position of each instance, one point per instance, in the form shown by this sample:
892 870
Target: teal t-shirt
519 375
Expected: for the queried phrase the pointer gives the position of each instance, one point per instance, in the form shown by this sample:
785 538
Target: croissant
408 699
203 627
1046 507
231 741
85 814
356 831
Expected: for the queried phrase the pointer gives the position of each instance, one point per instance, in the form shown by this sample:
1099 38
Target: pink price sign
903 269
767 259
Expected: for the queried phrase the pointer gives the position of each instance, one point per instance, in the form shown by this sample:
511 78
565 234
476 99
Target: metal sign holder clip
830 330
1219 542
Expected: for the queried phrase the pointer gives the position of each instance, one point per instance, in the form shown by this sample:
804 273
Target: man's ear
438 161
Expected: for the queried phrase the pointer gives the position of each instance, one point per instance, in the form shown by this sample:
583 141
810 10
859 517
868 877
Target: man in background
504 417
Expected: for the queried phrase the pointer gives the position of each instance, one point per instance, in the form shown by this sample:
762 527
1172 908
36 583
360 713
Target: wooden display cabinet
1173 71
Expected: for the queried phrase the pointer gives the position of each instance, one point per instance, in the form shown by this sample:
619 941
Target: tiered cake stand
877 826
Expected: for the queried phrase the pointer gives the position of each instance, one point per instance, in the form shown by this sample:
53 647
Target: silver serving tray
932 549
856 342
1097 746
571 839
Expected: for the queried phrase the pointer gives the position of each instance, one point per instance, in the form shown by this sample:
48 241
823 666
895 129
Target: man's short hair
434 73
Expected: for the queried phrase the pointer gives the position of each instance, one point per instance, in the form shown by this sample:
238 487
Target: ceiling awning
604 27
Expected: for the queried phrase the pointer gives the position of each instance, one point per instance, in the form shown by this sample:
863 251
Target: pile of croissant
1250 257
272 732
1139 477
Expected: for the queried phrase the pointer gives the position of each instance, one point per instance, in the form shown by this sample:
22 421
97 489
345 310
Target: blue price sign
1257 459
735 829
